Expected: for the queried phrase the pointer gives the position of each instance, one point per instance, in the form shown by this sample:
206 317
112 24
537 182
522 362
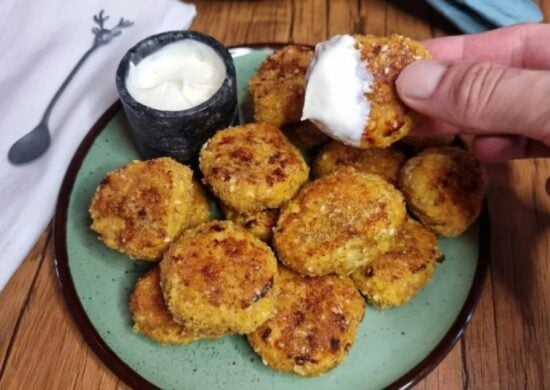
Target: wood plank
48 351
479 345
448 374
408 18
13 298
310 21
520 211
343 17
372 17
236 22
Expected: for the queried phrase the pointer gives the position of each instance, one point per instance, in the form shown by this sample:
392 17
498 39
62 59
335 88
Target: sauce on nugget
350 89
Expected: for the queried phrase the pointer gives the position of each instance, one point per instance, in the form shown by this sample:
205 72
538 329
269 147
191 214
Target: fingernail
420 79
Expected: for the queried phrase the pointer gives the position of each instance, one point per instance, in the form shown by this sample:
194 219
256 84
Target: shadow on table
517 230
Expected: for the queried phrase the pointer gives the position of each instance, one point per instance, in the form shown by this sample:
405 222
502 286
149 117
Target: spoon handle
66 82
102 37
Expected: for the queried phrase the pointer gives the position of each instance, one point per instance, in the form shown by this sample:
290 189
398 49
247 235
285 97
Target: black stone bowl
179 134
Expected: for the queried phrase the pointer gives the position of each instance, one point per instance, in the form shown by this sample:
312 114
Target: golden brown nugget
141 207
199 210
259 223
389 119
252 167
315 324
338 223
217 279
393 278
350 91
151 316
277 89
385 162
304 135
443 188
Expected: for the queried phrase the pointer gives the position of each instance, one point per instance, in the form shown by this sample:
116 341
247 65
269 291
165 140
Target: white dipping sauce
176 77
337 84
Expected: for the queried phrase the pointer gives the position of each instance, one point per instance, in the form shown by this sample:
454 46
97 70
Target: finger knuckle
475 85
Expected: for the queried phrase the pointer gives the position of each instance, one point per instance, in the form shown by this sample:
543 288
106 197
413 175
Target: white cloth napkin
40 43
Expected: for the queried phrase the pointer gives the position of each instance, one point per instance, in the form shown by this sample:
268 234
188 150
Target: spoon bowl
30 146
37 141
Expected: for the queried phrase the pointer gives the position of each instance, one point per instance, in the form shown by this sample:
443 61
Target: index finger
520 46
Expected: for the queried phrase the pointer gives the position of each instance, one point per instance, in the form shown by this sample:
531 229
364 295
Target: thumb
480 97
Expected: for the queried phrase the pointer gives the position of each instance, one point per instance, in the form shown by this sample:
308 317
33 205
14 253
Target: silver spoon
36 142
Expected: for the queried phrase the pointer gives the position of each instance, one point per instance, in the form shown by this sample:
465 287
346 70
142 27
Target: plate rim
114 363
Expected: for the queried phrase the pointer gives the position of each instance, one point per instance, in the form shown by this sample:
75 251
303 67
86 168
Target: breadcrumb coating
443 188
277 89
141 207
338 223
315 324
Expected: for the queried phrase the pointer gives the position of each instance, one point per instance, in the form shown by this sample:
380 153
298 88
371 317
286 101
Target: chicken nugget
315 324
385 162
277 89
338 223
199 210
218 279
141 207
259 223
443 188
151 316
396 276
252 167
304 135
350 88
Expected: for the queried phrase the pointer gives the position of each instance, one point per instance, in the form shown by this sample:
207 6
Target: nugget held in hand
141 207
443 188
151 316
315 324
384 162
277 89
338 223
350 88
218 279
252 167
396 276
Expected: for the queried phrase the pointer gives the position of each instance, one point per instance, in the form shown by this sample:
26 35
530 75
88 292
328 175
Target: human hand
494 86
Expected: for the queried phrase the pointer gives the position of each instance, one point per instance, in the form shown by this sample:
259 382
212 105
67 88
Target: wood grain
507 344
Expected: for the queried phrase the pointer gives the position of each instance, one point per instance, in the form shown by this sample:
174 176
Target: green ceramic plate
394 347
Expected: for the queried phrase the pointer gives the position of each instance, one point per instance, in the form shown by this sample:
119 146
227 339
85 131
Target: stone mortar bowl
178 134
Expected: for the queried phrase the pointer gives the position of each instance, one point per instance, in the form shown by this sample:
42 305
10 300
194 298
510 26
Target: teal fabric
473 16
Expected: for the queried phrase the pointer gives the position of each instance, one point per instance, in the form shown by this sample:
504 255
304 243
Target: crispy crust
141 207
277 89
315 324
252 167
443 188
219 279
397 275
199 210
338 223
304 135
383 162
151 316
389 118
259 223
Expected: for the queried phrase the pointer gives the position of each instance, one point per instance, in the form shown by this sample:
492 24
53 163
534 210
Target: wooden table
507 344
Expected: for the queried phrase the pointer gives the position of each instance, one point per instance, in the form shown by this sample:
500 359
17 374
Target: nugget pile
290 264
